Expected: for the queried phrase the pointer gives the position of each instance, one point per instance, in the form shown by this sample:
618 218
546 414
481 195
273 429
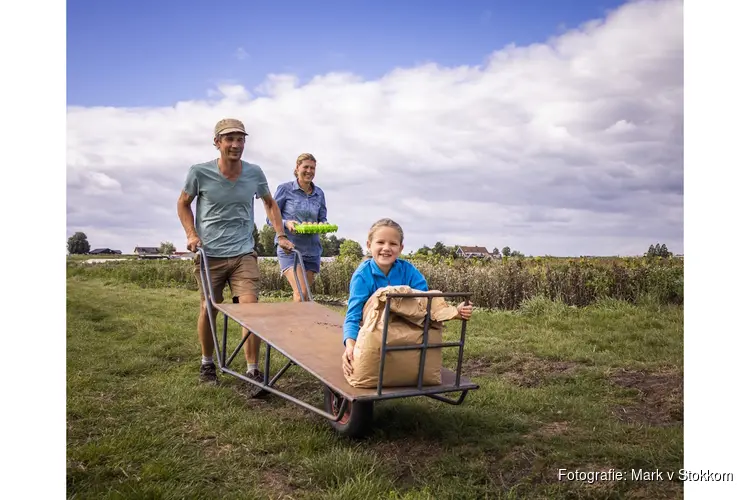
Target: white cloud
569 147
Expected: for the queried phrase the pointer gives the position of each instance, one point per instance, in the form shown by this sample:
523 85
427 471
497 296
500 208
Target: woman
301 201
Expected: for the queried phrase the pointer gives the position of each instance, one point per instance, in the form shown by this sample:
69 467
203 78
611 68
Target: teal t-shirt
224 215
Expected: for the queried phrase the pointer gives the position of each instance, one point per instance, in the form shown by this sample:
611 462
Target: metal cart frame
348 410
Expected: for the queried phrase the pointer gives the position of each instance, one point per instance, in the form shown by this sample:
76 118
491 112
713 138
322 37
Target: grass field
585 389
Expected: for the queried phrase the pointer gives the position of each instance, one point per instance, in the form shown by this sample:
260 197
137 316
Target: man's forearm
185 213
274 217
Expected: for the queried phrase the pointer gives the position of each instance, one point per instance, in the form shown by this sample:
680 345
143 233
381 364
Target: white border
716 275
33 51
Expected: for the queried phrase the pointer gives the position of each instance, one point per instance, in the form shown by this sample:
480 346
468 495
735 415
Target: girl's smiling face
385 246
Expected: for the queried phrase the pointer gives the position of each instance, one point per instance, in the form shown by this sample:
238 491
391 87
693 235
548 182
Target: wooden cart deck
310 334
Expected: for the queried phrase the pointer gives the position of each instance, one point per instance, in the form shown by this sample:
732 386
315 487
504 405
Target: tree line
444 250
333 246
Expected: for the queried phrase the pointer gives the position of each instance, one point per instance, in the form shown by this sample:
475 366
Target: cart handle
205 275
298 260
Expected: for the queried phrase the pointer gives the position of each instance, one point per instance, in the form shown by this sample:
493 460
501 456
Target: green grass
588 388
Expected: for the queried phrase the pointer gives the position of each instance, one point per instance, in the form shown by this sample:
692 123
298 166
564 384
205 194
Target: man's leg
252 345
245 282
205 337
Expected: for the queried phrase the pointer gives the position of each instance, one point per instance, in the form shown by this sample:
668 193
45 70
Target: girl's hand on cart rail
464 310
348 357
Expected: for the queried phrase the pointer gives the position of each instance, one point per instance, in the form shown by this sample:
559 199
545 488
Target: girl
385 242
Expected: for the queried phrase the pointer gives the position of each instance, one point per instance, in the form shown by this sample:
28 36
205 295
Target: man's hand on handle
285 244
193 243
348 357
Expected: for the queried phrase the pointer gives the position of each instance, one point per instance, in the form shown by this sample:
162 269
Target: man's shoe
253 390
208 373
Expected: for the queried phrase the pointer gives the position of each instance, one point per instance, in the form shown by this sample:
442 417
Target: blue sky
564 150
154 53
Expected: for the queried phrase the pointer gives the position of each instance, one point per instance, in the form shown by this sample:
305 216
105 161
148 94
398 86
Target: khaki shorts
241 272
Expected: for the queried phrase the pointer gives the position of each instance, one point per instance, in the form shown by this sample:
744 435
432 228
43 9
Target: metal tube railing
384 348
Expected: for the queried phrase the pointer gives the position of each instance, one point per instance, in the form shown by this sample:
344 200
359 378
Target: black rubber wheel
357 418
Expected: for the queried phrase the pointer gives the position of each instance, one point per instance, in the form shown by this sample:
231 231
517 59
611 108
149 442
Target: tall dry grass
496 284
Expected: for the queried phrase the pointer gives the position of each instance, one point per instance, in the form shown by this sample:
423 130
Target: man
224 222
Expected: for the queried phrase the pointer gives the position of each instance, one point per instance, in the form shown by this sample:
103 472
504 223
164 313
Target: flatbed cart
309 335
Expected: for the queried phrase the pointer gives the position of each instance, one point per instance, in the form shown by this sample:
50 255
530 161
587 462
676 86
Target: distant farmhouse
146 251
480 252
149 253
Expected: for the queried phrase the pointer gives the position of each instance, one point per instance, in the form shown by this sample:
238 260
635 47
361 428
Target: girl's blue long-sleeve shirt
367 279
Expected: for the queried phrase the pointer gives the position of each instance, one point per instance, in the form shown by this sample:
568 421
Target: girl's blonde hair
303 157
384 223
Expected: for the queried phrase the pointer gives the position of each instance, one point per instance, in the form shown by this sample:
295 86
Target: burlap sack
405 327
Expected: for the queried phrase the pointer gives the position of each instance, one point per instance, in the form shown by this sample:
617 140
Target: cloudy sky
479 124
